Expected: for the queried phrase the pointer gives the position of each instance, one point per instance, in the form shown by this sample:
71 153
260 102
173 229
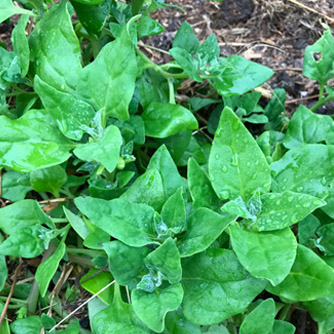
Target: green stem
285 312
89 252
321 92
133 19
59 220
14 300
171 91
96 47
322 102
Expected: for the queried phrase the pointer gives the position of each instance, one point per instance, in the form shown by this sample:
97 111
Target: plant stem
89 252
285 312
171 91
14 300
95 47
59 220
321 92
322 102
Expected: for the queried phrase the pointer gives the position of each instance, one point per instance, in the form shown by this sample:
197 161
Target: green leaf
29 325
260 320
131 223
49 179
20 43
310 278
148 27
4 327
320 309
124 319
126 263
193 150
123 178
306 127
200 187
54 36
240 76
32 142
71 115
26 242
163 162
21 215
108 83
77 223
148 189
216 286
90 2
173 212
275 108
94 281
164 119
186 39
7 9
15 186
307 228
237 166
325 242
166 259
268 255
306 169
280 210
3 273
281 327
203 227
105 150
321 69
46 270
176 323
151 308
208 52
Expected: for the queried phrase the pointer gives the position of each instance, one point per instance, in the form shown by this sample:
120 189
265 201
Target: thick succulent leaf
203 227
216 286
186 39
55 49
131 223
307 169
71 115
237 166
310 278
7 9
29 325
166 259
280 210
32 142
108 83
21 215
15 185
77 223
260 320
267 255
325 242
165 119
126 263
152 308
176 323
105 150
281 327
320 309
200 187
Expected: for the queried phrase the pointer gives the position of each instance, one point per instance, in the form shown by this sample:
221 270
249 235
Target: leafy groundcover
169 211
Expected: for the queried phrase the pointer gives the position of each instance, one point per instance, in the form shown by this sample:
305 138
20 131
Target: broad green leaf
321 69
275 108
147 189
77 223
29 325
166 259
173 212
320 309
126 263
124 319
237 166
217 329
47 321
105 150
280 210
203 227
186 39
22 214
325 242
151 308
131 223
3 273
108 83
26 242
136 124
306 127
329 208
15 185
7 9
49 179
72 328
55 50
324 327
267 255
163 162
96 236
176 323
20 43
310 278
90 2
307 169
92 16
307 228
4 327
164 119
283 327
32 142
260 320
240 76
94 281
216 286
71 115
46 270
148 27
200 187
208 51
193 150
123 178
